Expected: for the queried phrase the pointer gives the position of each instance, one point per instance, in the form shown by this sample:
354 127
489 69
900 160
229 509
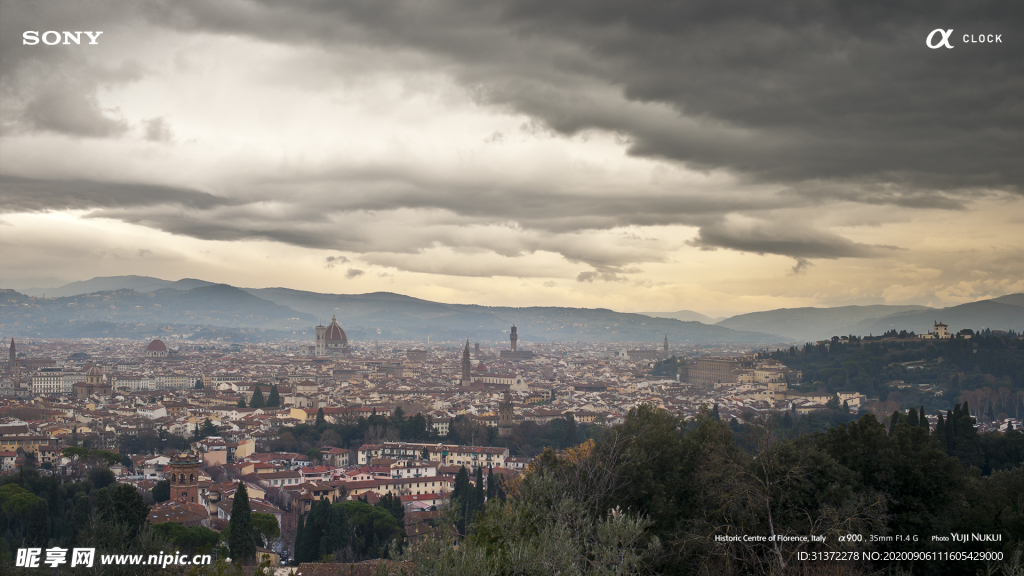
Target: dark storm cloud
785 239
332 261
783 92
71 112
36 195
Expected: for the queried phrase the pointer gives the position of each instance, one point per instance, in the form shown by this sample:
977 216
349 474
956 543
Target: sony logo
53 37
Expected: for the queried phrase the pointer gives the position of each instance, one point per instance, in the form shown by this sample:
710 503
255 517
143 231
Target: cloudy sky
722 156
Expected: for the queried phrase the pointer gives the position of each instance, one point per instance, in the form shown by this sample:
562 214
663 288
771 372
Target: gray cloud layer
824 101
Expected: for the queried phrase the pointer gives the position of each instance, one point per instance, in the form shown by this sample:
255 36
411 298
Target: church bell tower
185 477
466 367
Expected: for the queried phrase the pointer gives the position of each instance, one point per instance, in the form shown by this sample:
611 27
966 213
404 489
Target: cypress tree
241 402
257 399
308 548
299 529
940 428
105 506
240 542
274 399
55 505
335 536
951 430
924 420
460 498
478 492
714 414
892 422
490 483
912 418
37 531
320 420
79 519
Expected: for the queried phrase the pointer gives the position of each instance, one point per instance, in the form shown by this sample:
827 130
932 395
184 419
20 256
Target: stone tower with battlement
513 337
184 477
506 416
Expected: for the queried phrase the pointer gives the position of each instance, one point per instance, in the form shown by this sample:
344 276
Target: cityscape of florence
511 288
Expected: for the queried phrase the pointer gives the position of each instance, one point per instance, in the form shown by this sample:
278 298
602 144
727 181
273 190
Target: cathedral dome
94 371
334 332
156 346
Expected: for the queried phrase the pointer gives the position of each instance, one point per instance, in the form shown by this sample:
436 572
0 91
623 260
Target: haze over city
633 157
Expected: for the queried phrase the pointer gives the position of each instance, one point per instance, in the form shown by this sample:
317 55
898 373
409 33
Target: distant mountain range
188 304
685 316
136 302
810 324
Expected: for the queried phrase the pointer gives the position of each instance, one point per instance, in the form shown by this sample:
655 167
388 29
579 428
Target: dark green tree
274 399
393 504
55 507
101 477
308 548
335 536
208 429
912 417
374 530
461 498
300 530
79 519
188 539
320 420
199 384
105 506
130 509
37 532
478 493
266 528
241 402
490 483
893 421
257 399
241 541
162 491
